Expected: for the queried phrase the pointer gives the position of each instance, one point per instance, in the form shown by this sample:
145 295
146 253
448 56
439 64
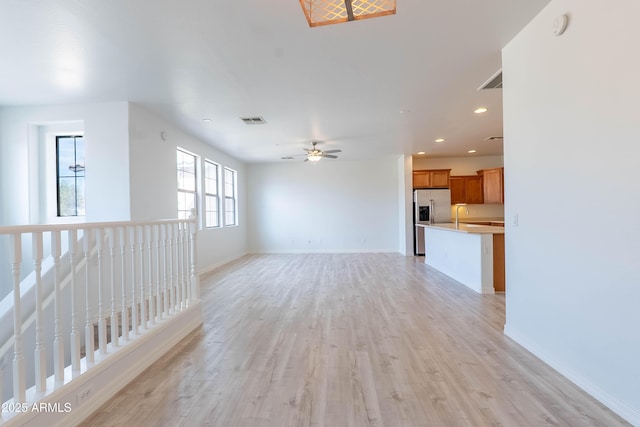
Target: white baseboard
630 414
109 375
325 251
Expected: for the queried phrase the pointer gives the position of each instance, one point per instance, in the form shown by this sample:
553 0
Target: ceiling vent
494 82
253 120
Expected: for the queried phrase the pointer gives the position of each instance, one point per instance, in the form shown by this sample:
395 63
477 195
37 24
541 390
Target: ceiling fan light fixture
327 12
314 156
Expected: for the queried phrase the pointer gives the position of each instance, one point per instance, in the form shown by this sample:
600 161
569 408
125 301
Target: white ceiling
345 84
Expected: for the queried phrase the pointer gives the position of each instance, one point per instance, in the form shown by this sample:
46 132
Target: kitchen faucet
458 206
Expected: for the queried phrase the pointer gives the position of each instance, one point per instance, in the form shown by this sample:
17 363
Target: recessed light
471 151
480 110
421 152
439 140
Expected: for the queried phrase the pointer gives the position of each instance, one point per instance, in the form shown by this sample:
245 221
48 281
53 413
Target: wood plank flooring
348 340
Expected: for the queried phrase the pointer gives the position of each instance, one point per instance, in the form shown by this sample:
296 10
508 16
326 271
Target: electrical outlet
84 395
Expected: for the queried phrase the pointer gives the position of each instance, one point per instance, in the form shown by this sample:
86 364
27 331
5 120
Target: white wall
337 206
106 135
405 205
571 126
154 183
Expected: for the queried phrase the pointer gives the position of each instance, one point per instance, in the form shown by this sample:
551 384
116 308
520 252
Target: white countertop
466 228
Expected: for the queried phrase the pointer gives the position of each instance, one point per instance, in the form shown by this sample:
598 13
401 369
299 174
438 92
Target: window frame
215 196
233 197
183 190
75 176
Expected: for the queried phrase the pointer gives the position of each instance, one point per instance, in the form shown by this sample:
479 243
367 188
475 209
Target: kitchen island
471 254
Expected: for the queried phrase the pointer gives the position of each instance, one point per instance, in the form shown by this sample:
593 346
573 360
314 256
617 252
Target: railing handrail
28 228
157 262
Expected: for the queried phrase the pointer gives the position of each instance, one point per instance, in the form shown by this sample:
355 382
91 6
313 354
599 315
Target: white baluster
125 316
19 380
143 310
172 293
134 309
102 323
152 315
114 313
176 255
187 261
39 354
186 291
195 279
179 267
88 324
157 231
58 340
183 267
75 334
165 284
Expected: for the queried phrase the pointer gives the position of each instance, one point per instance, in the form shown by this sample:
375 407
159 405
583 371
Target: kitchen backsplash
480 211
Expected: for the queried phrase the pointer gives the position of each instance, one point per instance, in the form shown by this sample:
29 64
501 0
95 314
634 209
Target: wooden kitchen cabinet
467 189
493 185
421 179
458 191
440 178
431 178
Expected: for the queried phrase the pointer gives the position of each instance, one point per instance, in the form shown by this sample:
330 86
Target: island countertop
466 228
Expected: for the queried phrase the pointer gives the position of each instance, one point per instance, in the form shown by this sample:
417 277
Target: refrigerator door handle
432 213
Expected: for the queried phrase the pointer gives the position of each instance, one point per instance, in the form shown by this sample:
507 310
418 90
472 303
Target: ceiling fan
314 154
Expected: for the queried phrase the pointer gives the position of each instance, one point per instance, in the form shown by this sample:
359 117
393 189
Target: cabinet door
458 190
473 190
421 179
493 185
440 178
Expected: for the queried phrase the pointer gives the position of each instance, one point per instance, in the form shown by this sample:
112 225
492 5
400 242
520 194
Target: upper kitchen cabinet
431 178
467 189
493 185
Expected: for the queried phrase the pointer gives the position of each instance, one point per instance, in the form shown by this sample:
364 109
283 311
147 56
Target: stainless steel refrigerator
429 207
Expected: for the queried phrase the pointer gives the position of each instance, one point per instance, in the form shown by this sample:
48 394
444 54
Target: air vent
494 82
253 120
287 158
492 138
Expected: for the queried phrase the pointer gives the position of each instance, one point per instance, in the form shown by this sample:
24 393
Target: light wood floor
348 340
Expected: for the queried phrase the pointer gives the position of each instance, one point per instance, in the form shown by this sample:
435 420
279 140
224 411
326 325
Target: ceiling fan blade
332 151
329 156
306 160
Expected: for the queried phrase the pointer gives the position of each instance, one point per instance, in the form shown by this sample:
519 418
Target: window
230 202
70 178
211 199
186 184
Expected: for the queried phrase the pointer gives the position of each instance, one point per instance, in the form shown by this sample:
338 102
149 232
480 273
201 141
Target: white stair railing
123 279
